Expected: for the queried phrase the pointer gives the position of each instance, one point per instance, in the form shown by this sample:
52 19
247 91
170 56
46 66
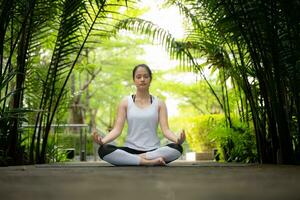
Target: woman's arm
118 127
164 125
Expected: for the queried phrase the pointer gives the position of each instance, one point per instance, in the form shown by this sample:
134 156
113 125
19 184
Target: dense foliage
41 43
255 45
50 60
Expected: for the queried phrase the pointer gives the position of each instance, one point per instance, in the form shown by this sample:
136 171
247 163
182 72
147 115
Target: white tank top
142 126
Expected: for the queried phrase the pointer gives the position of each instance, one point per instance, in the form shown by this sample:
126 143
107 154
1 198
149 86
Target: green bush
197 129
72 140
236 143
207 132
55 152
60 141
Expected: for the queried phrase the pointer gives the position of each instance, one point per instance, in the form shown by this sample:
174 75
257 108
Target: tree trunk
14 136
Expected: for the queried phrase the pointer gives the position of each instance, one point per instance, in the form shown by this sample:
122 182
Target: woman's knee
178 147
106 149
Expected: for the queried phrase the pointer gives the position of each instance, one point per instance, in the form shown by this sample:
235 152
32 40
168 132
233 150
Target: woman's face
142 78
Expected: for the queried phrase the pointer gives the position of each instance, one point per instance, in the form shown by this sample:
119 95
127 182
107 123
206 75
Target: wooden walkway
179 180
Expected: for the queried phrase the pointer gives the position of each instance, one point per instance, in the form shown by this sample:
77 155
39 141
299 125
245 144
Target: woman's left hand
97 138
181 137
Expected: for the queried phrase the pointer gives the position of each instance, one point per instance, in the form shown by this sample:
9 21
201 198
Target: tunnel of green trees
70 61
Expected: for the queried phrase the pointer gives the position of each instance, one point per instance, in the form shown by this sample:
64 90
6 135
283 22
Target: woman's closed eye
145 77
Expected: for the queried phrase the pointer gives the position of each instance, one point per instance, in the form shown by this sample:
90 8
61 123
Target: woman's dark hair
142 65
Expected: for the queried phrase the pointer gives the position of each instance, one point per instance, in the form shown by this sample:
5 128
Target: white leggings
121 156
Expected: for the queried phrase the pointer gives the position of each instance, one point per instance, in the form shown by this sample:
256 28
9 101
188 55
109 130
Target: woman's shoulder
124 101
160 102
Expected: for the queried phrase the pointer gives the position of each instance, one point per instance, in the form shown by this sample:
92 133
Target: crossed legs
121 156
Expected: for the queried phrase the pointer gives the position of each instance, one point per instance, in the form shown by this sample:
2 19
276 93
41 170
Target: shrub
236 143
206 132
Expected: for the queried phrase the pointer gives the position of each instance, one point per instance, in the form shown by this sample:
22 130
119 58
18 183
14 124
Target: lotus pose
143 113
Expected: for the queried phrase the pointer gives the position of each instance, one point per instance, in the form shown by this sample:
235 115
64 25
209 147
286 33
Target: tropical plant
254 44
42 40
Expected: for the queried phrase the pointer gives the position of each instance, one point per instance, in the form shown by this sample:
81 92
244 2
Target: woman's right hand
97 138
181 137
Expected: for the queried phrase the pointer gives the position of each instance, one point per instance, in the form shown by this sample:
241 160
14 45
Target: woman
143 113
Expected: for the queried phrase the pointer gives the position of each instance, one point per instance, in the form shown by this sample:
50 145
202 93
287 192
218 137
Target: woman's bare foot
143 155
160 161
155 162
